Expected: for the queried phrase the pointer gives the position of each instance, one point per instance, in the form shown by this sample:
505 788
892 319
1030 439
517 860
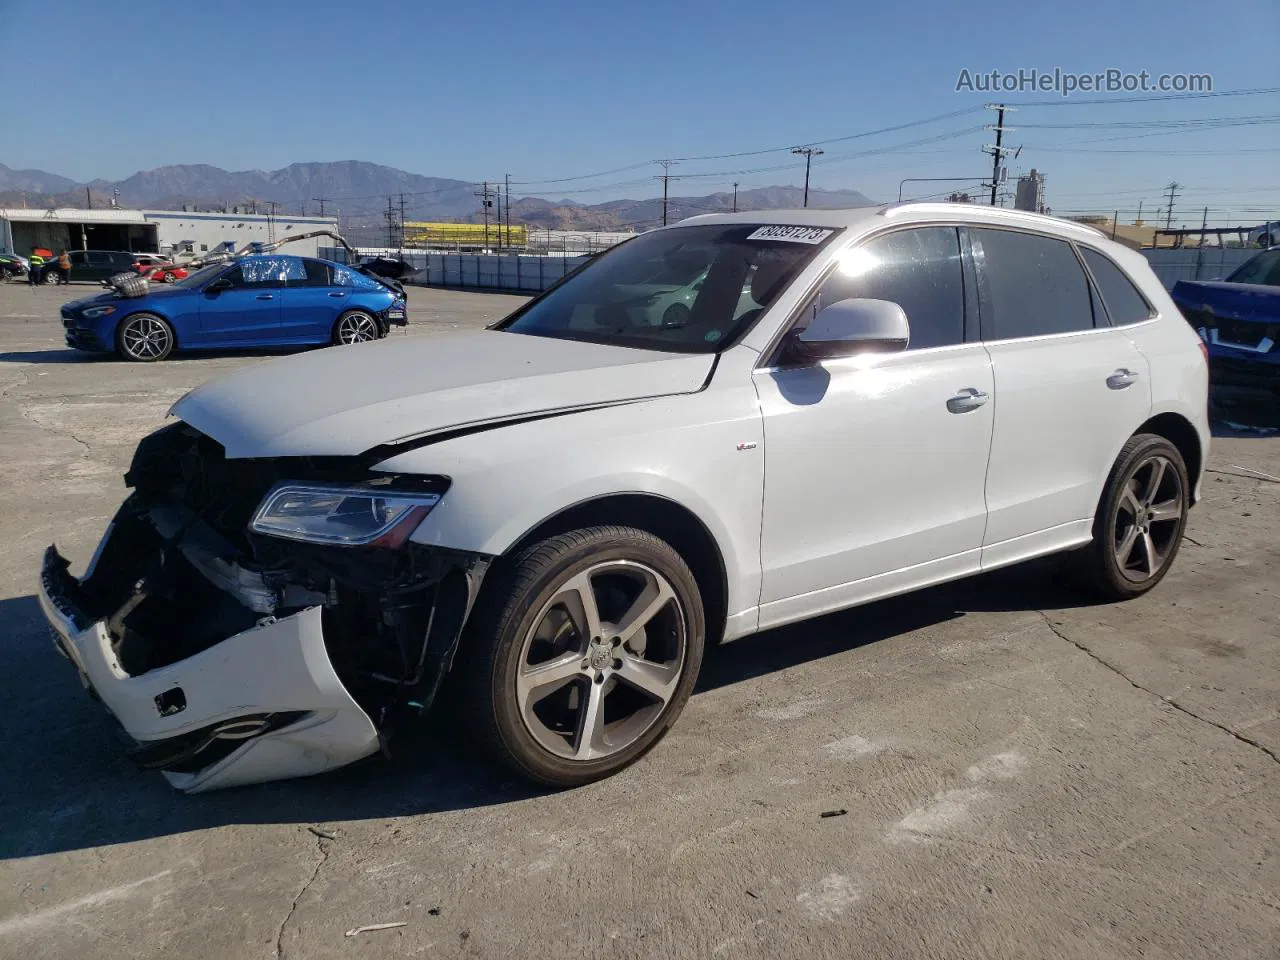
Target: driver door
875 465
249 312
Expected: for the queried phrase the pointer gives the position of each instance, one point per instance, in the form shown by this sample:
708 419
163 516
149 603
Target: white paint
943 812
1001 766
42 918
833 896
854 746
791 711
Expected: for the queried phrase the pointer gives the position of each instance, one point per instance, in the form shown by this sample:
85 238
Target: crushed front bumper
264 704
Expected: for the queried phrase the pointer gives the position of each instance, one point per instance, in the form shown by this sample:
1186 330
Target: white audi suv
541 526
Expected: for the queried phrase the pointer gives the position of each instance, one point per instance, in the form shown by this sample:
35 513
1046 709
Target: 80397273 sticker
791 234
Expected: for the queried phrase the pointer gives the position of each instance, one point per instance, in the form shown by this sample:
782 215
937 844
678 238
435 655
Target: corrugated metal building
172 232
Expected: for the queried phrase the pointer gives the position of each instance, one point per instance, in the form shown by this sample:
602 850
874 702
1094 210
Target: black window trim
1089 281
1152 312
769 356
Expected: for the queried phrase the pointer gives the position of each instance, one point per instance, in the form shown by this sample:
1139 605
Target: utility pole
1138 219
391 224
735 196
998 151
401 226
508 210
486 202
88 200
271 222
808 154
320 200
665 178
1173 195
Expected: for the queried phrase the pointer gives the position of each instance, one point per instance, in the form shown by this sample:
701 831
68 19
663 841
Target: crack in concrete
323 846
1181 708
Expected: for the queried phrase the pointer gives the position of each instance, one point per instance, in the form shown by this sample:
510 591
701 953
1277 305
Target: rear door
311 301
1069 390
249 312
81 268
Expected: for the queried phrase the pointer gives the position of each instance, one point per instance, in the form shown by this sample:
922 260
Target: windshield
1264 268
691 289
201 276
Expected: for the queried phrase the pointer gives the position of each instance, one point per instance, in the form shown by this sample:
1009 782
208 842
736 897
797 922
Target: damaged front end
236 656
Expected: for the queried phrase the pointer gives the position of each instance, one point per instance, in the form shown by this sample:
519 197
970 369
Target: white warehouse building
175 233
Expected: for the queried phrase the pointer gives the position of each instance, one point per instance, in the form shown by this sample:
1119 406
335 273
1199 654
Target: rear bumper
261 705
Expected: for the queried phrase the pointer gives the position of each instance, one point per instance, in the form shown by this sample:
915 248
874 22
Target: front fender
702 451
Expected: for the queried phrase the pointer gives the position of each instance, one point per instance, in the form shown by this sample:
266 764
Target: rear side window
1031 286
917 269
317 275
1123 301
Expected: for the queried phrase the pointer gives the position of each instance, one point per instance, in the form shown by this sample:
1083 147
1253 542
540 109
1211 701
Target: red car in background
158 269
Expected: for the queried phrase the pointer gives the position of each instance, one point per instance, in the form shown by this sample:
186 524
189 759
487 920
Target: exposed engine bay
179 572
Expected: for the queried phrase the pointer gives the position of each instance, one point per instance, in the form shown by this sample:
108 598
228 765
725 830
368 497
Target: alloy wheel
357 328
145 337
1148 515
602 660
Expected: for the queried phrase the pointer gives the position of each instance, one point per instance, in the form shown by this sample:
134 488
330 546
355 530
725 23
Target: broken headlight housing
349 516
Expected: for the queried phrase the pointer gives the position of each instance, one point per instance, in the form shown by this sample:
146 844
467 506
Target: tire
50 277
169 278
530 616
1127 532
356 326
144 338
1265 241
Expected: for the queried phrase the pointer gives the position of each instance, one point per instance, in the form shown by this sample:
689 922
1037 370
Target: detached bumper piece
261 705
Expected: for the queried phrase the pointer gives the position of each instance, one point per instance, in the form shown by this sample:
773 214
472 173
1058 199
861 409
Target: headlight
344 516
94 312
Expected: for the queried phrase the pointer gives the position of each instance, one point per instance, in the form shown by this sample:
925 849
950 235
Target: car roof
909 212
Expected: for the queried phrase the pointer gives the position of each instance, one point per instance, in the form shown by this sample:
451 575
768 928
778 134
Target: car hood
110 296
344 401
1251 302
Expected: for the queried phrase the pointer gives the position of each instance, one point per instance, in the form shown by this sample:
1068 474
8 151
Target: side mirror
848 327
217 286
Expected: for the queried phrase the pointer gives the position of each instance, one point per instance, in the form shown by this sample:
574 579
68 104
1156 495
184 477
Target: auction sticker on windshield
791 234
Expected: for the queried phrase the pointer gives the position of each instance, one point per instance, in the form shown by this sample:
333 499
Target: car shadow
71 788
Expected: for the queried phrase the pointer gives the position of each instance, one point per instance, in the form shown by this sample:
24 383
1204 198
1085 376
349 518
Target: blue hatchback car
256 301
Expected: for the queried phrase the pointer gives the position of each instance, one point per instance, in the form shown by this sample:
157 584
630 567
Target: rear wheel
170 278
145 338
586 653
356 326
1138 528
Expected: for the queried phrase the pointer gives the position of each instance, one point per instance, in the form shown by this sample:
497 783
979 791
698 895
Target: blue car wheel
145 338
356 326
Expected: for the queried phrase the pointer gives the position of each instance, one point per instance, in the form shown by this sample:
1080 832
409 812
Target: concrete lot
1024 774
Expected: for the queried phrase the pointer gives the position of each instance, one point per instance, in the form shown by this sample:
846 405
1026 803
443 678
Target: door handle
338 293
970 398
1122 378
265 296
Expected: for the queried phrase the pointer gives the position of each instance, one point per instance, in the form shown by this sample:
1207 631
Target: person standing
64 268
35 264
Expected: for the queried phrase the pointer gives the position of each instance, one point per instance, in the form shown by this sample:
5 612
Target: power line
1072 102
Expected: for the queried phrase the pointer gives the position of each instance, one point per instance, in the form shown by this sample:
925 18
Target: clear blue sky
548 90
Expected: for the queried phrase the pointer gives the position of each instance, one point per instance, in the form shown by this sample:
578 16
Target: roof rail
992 214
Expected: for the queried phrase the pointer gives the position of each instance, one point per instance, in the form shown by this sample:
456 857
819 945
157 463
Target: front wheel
145 338
356 326
1140 520
585 654
170 278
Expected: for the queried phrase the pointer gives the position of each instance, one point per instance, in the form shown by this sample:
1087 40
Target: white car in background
1267 235
558 514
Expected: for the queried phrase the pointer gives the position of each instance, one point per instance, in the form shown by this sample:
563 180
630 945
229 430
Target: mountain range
357 190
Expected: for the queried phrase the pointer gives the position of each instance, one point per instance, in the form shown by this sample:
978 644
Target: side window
344 277
77 257
918 269
1033 285
1123 301
317 275
266 271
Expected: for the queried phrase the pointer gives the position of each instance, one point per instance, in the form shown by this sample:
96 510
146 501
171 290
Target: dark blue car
257 301
1239 319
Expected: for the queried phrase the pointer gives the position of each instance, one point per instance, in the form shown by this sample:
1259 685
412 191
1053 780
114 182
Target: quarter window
317 275
1123 301
1033 285
917 269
